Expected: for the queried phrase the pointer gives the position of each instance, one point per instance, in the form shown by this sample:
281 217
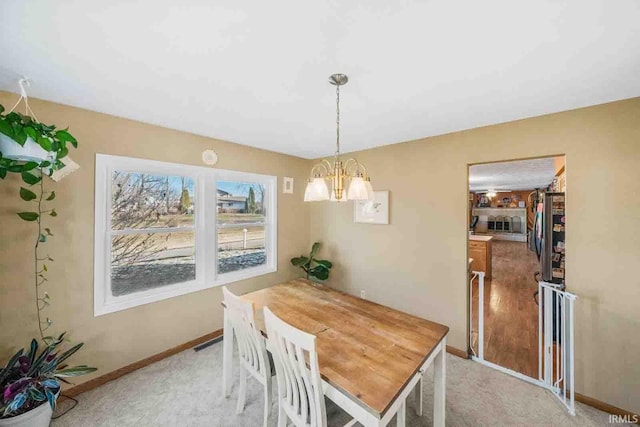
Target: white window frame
204 227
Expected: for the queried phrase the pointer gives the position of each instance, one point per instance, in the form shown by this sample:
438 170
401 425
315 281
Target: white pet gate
555 335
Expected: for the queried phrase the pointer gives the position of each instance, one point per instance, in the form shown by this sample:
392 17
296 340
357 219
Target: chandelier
338 174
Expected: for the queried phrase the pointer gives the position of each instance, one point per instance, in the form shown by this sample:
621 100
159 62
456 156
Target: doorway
507 247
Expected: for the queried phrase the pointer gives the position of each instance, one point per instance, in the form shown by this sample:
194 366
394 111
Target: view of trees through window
153 229
240 225
153 233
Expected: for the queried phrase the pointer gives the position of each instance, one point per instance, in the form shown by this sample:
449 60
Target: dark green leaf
28 216
75 371
49 368
29 166
27 195
31 133
319 272
53 213
320 267
69 352
48 230
62 152
3 173
324 263
39 361
65 381
51 196
65 136
20 135
30 178
13 117
5 128
1 108
299 261
33 351
5 371
45 143
314 249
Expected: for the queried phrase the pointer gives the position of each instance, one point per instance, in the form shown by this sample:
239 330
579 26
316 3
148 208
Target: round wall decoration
209 157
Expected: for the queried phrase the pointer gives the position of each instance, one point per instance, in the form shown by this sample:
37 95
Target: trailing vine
21 128
32 378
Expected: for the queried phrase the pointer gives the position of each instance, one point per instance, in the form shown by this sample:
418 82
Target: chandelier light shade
316 191
329 181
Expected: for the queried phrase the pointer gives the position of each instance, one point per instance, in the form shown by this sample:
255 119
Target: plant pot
31 151
38 417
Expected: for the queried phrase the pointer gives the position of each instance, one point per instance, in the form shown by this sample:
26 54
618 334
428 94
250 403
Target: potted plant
315 268
26 144
30 383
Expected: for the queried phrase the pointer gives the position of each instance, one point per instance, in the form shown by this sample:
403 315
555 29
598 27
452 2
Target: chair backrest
251 346
297 370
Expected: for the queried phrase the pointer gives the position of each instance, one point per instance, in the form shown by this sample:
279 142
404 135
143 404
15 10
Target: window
164 229
240 225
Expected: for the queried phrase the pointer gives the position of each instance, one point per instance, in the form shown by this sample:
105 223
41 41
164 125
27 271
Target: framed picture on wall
374 211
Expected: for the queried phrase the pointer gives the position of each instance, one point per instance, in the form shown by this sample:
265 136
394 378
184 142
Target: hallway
511 314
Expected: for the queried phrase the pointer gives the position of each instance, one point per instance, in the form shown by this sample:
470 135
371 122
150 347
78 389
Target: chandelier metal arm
323 169
353 167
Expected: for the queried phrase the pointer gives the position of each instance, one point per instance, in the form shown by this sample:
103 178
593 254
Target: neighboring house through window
164 229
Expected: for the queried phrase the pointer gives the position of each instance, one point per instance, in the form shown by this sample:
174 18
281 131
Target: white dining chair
254 359
300 392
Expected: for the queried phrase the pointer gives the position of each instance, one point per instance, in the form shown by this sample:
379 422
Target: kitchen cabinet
480 252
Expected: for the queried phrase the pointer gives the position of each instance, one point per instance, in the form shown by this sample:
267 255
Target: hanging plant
26 144
33 163
34 150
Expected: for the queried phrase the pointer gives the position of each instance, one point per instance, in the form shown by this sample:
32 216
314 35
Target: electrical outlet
363 294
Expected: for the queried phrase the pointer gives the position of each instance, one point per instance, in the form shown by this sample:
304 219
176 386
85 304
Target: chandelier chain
337 120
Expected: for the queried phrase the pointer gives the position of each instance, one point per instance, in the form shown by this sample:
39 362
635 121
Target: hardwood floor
511 314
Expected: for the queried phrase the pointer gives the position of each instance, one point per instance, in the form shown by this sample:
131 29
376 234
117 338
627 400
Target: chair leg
282 415
267 399
242 390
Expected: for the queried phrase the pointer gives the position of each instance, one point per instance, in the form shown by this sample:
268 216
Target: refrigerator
549 234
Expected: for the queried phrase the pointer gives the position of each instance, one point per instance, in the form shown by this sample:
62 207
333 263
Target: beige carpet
186 390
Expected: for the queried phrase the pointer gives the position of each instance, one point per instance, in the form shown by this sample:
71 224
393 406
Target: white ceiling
516 175
255 72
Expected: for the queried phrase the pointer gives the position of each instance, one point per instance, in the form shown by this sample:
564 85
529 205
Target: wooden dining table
371 357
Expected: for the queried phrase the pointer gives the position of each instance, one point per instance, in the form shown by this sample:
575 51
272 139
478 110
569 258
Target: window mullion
128 231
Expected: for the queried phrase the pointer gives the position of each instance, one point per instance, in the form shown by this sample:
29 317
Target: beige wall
418 263
118 339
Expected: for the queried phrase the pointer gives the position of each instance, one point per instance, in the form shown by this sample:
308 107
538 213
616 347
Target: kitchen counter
480 238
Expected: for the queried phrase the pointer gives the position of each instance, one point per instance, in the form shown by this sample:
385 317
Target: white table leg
401 416
440 385
417 395
227 355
